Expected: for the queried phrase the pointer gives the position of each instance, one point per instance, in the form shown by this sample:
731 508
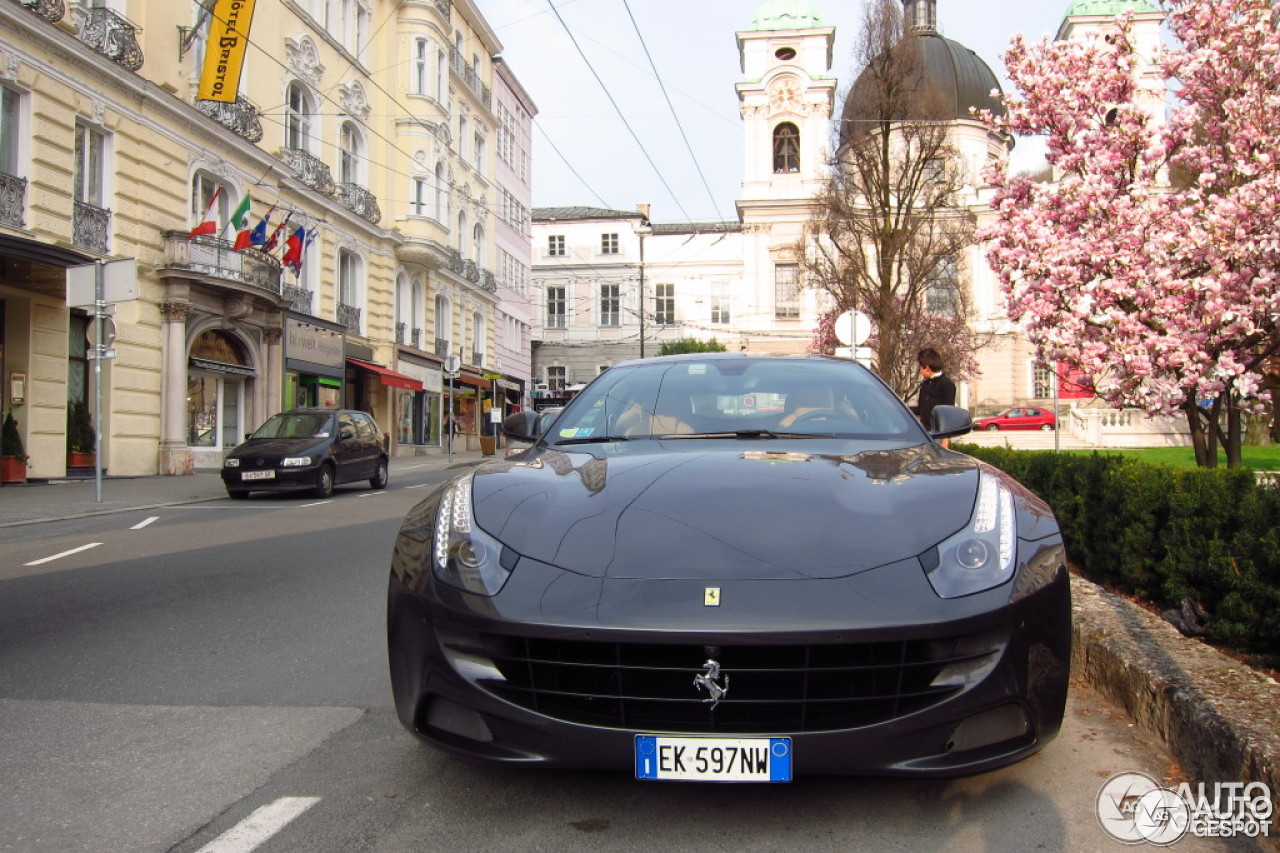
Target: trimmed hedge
1167 535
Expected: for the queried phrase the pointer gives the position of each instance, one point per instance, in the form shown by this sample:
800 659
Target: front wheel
379 478
1046 428
237 494
992 428
324 482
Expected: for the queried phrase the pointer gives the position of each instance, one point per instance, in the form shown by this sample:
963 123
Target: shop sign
429 377
313 343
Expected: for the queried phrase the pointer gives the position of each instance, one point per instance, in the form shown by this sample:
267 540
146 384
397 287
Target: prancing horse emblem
707 681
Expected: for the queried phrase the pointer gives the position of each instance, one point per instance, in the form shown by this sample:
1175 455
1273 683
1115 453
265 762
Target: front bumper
284 479
564 670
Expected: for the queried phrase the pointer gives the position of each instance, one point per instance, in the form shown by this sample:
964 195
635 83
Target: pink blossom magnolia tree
1151 261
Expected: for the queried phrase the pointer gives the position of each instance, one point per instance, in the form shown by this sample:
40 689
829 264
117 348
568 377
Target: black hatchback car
312 449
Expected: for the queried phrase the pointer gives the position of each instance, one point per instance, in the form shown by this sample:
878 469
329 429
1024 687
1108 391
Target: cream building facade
366 129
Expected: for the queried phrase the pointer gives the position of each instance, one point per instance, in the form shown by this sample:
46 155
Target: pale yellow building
366 127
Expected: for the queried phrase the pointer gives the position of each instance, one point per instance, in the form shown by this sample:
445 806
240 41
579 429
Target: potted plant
80 436
13 459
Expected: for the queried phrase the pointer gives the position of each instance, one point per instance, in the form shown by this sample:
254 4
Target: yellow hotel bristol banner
224 57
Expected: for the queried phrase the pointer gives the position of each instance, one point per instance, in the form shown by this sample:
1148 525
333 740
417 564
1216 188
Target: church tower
786 98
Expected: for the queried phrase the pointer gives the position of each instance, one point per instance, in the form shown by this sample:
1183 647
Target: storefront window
404 407
207 397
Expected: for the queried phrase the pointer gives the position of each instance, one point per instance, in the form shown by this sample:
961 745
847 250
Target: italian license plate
257 475
713 759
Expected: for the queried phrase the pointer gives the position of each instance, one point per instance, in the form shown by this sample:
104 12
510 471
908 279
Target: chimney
643 208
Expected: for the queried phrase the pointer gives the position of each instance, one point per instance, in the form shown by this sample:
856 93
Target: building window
479 337
610 305
942 292
557 306
555 245
350 289
462 138
479 152
444 335
442 193
420 74
419 201
786 148
664 305
351 158
90 179
608 244
10 130
297 118
555 378
203 190
477 244
1042 382
719 304
786 291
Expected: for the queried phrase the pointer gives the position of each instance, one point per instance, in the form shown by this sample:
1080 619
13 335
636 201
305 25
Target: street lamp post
642 231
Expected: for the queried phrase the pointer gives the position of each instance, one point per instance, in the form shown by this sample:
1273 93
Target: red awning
389 377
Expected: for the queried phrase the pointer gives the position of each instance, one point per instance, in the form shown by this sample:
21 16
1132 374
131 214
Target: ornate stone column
175 456
274 339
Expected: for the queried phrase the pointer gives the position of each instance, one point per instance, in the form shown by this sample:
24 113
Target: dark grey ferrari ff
733 568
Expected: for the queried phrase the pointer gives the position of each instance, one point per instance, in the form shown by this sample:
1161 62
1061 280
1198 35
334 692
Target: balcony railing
442 347
443 7
477 358
311 169
91 228
13 200
110 35
215 257
401 328
51 10
240 117
471 271
416 339
349 316
300 298
470 77
357 198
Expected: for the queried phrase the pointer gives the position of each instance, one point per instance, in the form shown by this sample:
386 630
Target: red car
1024 417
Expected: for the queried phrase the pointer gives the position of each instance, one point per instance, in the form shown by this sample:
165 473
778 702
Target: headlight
232 463
463 555
982 555
295 461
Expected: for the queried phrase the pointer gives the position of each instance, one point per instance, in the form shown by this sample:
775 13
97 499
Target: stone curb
1218 718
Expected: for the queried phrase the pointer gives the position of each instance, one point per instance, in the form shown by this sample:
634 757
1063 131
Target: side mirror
950 421
522 426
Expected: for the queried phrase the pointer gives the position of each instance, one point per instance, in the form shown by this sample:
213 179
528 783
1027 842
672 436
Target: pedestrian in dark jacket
937 389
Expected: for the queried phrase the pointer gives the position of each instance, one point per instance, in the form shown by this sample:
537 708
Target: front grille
771 688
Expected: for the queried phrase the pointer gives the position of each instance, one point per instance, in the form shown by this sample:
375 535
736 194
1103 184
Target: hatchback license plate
713 759
257 475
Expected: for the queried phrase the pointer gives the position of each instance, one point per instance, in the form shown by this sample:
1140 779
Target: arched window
478 336
477 243
351 160
297 120
786 148
212 196
462 234
350 291
404 308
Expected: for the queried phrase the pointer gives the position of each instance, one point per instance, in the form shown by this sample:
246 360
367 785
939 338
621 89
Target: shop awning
474 381
388 376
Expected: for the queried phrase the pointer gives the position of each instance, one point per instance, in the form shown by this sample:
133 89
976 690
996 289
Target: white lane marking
145 522
258 827
420 486
370 494
64 554
317 503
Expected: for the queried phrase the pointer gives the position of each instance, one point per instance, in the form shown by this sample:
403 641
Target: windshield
303 425
757 397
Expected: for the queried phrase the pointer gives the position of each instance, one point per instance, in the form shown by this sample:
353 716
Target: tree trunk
1196 427
1231 442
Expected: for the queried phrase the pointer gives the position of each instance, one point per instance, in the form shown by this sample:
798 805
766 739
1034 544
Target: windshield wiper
590 439
751 433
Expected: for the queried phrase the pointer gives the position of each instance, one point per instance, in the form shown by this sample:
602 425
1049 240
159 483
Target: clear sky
692 44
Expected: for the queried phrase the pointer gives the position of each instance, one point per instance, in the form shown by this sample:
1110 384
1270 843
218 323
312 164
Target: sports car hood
704 510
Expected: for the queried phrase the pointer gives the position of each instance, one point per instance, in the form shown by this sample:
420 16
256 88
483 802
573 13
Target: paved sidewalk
53 500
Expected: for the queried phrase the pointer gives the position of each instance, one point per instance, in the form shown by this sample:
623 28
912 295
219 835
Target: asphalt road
168 673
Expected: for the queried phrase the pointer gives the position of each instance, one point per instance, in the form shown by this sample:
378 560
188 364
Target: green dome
1108 7
786 15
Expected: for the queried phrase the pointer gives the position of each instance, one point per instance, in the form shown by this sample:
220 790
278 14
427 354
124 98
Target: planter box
12 470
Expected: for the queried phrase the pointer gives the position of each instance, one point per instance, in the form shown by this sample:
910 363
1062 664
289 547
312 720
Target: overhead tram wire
618 110
675 118
567 164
